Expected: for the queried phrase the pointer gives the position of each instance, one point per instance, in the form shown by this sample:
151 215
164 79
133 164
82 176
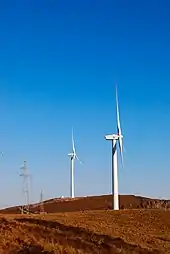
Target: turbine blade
120 140
78 159
118 115
124 149
22 166
73 146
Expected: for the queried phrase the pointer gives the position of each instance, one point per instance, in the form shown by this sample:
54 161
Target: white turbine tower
116 138
73 156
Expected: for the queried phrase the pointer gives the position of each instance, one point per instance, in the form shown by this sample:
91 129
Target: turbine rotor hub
113 137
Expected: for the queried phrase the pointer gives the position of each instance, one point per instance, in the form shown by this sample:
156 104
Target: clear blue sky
59 62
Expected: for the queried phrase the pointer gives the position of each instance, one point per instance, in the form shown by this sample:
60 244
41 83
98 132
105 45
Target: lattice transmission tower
41 202
25 188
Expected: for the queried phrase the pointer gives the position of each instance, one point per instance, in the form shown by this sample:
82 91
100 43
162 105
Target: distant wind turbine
73 156
116 138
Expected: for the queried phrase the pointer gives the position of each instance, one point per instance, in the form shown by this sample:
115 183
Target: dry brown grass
93 232
93 203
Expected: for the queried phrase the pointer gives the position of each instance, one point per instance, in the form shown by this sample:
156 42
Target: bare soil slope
92 203
93 232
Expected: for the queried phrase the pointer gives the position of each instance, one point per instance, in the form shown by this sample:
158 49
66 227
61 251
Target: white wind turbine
73 156
116 138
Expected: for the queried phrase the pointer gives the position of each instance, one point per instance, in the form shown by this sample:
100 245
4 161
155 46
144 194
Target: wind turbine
73 156
116 138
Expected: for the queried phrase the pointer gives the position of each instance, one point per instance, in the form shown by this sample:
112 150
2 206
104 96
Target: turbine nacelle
113 137
72 155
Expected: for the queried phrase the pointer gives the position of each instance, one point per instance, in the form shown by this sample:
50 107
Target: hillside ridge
103 202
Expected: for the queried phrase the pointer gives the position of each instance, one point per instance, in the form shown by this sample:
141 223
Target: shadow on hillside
79 238
33 249
164 238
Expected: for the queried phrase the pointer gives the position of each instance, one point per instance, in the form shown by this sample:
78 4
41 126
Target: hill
97 232
92 203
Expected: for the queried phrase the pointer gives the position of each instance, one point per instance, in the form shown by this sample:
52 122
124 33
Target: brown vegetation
93 203
87 225
93 232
